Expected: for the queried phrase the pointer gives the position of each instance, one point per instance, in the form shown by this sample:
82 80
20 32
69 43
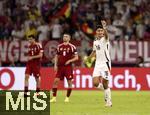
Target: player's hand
68 62
104 24
30 58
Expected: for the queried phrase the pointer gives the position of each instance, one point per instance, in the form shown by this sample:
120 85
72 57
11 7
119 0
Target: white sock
100 86
107 94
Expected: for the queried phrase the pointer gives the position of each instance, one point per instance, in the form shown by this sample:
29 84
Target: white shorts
102 70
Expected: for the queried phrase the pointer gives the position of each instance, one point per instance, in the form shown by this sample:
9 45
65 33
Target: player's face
100 32
66 38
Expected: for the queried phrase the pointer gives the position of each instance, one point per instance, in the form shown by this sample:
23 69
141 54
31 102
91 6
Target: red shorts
33 68
65 71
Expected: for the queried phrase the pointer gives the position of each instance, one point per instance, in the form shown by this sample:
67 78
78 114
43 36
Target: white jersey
101 46
103 62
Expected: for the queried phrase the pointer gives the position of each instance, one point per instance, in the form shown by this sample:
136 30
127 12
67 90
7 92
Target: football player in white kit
102 67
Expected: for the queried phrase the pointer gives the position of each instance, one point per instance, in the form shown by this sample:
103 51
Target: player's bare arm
55 62
104 24
75 58
93 54
40 55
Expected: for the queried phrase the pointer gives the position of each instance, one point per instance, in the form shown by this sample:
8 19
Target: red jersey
65 52
35 49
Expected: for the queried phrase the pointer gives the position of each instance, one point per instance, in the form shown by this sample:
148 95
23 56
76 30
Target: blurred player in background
33 65
66 55
102 67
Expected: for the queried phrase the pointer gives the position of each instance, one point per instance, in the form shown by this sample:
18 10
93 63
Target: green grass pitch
92 103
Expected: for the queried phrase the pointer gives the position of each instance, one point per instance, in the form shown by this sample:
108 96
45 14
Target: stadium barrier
12 78
122 52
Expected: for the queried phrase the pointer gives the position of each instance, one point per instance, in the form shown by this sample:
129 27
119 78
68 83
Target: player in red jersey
33 65
66 54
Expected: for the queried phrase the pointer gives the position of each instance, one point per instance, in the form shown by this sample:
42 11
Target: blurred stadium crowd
48 19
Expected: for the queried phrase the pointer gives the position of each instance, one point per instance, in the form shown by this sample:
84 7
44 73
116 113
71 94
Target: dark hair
67 33
99 26
32 36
